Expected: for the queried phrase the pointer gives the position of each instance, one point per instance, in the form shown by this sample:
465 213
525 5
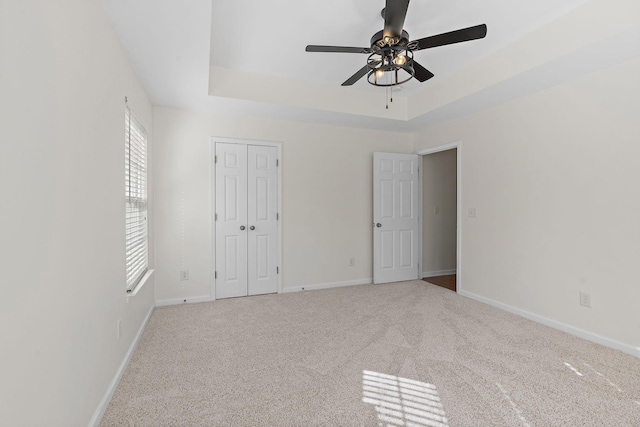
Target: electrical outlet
436 210
473 213
585 299
352 262
184 274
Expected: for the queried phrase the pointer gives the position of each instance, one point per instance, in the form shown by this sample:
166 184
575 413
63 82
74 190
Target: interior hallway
447 282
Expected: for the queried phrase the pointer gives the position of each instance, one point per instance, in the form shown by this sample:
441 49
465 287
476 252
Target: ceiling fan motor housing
379 40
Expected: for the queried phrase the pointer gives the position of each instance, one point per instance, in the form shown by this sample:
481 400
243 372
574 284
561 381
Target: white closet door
246 229
231 223
262 221
395 215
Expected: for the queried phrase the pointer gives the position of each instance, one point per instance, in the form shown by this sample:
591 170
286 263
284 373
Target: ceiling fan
391 51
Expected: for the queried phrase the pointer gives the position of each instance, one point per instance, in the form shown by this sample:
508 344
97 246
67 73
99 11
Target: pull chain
388 96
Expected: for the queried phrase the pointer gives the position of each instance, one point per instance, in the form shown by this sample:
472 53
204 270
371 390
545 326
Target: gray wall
63 80
439 213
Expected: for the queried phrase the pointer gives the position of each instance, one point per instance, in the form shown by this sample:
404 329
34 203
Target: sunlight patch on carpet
575 371
600 374
402 401
515 407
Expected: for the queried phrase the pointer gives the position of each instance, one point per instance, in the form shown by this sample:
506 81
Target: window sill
141 283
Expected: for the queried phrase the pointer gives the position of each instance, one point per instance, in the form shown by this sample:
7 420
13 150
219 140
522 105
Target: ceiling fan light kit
388 56
390 62
386 72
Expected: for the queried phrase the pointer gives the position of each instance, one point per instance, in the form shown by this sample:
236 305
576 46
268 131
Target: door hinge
277 216
216 216
215 159
277 270
277 162
215 274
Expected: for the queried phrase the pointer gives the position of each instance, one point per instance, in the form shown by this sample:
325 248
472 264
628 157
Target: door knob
242 228
378 225
252 228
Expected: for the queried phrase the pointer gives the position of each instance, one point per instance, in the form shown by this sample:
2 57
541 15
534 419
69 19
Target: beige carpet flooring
400 354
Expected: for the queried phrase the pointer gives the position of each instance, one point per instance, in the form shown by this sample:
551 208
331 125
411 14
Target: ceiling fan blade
357 76
463 35
360 73
421 73
395 12
338 49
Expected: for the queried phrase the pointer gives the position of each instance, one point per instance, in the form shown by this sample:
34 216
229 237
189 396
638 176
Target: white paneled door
246 223
262 220
396 253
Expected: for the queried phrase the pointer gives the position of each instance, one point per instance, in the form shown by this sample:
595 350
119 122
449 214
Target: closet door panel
231 223
262 220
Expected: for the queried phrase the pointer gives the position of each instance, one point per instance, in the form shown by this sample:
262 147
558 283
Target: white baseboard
438 273
97 416
178 301
315 287
598 339
207 298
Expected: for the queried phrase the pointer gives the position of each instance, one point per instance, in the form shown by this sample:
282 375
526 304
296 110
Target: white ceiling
173 43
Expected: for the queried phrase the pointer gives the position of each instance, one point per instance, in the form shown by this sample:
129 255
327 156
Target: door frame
212 203
432 150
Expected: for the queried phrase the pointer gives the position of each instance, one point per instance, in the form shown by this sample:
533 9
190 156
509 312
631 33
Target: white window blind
137 244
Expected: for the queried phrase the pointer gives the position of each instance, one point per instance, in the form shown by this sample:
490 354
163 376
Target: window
137 243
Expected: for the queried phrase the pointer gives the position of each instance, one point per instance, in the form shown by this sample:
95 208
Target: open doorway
440 217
